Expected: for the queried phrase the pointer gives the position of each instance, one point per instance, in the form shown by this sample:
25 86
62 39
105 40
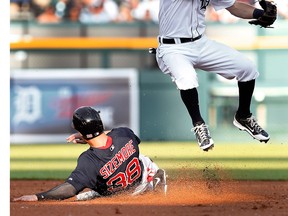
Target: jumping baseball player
183 47
111 165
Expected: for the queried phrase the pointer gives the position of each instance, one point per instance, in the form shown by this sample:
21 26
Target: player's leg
243 119
183 74
246 90
191 101
229 63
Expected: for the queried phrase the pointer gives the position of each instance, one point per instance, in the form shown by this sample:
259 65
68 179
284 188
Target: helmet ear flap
87 121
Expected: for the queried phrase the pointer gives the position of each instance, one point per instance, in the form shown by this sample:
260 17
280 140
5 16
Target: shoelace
253 124
202 132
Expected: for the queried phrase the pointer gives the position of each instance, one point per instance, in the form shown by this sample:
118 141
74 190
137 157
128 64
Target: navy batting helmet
87 121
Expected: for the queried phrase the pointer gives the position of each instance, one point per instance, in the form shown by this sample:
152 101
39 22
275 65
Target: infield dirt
184 197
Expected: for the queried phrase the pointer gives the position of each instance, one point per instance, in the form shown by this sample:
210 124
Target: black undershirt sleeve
60 192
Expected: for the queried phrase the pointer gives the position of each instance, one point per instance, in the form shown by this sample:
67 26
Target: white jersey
186 18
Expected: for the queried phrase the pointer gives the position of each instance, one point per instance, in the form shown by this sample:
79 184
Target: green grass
253 161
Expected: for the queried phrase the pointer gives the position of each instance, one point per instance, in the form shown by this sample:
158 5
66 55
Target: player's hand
76 138
269 16
26 198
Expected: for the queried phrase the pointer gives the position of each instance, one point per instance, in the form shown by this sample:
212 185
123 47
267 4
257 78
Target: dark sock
246 90
191 101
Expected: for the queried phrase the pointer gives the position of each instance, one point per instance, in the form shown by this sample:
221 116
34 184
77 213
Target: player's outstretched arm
264 17
242 10
60 192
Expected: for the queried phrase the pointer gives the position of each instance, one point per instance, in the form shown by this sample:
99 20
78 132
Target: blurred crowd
105 11
84 11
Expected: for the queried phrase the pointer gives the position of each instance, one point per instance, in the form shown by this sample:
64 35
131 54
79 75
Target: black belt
182 40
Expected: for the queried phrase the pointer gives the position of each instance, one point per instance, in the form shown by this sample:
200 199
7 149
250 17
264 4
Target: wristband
40 196
257 13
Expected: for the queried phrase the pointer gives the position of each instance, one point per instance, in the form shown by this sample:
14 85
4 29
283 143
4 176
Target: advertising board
42 101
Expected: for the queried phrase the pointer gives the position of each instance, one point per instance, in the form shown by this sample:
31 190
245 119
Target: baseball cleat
264 141
210 148
203 137
251 126
159 180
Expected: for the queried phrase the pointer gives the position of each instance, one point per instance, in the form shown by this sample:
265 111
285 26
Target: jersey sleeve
82 176
222 4
60 192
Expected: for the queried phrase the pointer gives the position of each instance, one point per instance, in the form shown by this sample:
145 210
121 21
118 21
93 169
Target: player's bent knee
186 83
248 72
186 86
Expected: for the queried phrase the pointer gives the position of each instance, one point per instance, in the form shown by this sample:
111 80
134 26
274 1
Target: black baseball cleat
159 181
210 148
252 127
203 137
